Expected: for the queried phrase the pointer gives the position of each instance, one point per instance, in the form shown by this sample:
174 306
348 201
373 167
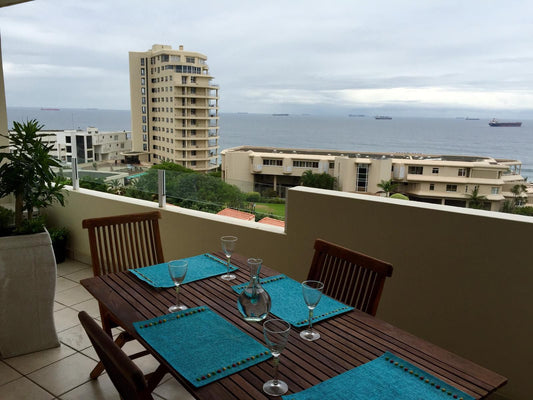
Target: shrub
253 197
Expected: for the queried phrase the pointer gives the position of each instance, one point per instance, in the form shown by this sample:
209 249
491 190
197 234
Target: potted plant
27 266
59 237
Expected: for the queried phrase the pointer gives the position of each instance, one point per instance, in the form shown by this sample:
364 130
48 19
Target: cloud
450 53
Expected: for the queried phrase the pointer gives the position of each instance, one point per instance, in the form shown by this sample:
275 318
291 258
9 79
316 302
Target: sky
416 57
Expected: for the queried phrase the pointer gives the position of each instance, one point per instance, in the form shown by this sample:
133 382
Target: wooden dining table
347 340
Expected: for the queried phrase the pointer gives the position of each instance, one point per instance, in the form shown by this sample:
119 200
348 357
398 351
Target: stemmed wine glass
312 291
276 333
228 246
177 270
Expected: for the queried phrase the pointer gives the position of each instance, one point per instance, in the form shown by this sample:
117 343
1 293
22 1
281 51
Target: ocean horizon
428 135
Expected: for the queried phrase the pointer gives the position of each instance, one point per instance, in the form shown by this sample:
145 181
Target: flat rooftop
355 154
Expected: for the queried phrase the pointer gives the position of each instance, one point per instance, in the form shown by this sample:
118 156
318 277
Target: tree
475 200
321 181
518 190
387 186
27 171
190 189
399 196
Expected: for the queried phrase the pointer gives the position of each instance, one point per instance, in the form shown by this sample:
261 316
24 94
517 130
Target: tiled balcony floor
63 372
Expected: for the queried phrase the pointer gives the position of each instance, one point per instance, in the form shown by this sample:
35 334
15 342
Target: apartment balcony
453 284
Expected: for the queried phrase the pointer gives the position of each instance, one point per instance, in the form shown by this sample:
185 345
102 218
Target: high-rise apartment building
174 107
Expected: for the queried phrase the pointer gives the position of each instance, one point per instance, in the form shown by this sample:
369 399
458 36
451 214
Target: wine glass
312 291
177 270
228 246
276 333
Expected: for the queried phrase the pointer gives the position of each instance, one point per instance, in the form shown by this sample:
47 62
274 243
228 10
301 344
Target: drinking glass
312 291
276 333
228 246
177 270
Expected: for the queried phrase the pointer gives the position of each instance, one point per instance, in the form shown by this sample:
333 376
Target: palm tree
475 200
517 190
387 186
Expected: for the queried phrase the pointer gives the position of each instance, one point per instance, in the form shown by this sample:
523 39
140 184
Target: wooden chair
348 276
128 379
119 243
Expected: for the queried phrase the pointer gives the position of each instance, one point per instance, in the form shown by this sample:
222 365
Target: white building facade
439 179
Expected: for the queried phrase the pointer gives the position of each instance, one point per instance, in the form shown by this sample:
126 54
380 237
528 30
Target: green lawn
271 208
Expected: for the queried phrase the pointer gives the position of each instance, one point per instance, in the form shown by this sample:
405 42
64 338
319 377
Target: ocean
454 136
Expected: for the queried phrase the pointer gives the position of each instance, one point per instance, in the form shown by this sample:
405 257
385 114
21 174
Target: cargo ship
382 117
495 122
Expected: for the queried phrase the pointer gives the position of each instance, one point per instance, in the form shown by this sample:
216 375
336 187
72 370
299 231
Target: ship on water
495 122
382 117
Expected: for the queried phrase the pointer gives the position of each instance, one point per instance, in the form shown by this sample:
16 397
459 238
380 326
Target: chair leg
155 377
99 368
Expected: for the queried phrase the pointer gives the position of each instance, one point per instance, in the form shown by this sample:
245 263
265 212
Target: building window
451 188
193 153
142 62
189 60
145 147
269 161
143 81
68 139
431 186
494 190
193 163
435 170
145 138
462 172
193 79
362 178
143 109
69 149
331 165
183 80
142 71
305 164
144 128
415 170
143 90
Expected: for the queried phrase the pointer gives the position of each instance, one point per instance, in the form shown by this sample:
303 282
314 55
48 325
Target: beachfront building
439 179
174 107
88 146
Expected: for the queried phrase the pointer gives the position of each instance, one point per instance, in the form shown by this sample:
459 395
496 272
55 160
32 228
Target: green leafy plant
6 220
26 171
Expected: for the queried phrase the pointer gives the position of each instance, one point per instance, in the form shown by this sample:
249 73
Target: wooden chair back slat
350 277
127 378
122 242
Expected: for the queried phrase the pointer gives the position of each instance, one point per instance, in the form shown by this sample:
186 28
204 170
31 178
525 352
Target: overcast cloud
291 56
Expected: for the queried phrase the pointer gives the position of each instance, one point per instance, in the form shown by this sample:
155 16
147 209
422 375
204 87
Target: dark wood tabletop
347 340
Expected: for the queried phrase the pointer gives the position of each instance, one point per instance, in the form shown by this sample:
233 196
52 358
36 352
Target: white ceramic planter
27 287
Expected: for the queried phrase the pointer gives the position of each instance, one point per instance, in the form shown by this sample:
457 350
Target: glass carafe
254 301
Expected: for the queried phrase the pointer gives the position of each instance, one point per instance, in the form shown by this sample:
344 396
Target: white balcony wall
462 278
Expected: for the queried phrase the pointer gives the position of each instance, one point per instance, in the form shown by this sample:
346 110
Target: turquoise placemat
200 267
288 301
201 345
387 377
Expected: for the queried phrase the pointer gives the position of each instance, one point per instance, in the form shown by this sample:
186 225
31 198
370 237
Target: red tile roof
229 212
272 221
